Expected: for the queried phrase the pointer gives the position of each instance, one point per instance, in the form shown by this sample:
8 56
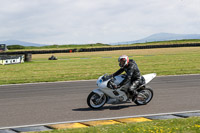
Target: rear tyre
144 96
95 101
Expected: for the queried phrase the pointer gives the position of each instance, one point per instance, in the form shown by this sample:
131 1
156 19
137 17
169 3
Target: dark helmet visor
122 62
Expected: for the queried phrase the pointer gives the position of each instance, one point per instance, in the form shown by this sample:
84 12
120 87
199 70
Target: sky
95 21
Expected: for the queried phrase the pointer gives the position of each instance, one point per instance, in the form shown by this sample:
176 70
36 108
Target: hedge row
101 49
139 47
39 52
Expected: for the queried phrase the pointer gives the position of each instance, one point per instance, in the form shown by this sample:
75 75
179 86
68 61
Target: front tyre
95 101
144 96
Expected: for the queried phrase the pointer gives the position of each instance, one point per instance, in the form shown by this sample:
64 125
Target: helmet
123 61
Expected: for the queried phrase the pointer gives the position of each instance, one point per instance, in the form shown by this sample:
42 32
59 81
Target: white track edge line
111 118
89 80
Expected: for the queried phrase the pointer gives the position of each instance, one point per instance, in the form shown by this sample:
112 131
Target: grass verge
90 65
187 125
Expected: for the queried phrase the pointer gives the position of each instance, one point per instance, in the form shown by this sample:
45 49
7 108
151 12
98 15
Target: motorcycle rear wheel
144 96
94 100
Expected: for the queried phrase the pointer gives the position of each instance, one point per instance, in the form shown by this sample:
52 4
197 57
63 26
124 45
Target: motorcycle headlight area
99 81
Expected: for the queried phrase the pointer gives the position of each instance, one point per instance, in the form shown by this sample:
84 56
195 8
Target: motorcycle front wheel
144 96
95 101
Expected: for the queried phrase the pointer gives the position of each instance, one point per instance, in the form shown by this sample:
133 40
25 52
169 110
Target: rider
133 77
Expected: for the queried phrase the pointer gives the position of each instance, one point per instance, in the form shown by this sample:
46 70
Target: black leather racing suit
132 75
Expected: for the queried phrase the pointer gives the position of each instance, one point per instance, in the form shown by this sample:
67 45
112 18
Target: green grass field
187 125
90 65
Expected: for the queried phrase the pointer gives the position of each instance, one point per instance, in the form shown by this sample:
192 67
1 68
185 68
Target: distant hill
162 37
151 38
16 42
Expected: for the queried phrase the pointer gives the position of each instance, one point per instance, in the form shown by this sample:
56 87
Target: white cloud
88 21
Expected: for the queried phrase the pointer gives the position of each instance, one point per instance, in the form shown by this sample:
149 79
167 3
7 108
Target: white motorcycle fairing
116 96
104 94
149 77
103 89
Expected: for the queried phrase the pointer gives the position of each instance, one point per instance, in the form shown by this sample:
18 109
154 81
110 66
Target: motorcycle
107 94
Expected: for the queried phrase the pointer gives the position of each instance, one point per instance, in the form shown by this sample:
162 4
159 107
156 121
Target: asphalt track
29 104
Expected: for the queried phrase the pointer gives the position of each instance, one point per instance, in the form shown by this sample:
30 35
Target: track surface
29 104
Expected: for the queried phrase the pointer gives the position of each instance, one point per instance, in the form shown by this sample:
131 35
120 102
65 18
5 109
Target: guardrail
139 47
100 49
